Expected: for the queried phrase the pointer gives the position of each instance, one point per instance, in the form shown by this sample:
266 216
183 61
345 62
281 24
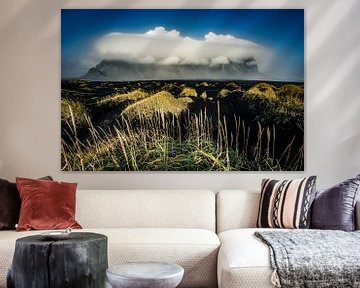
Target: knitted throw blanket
313 258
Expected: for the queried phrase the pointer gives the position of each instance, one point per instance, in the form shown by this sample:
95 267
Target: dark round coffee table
145 275
80 261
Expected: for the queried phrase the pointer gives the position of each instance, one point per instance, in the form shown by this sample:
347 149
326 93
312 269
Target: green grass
291 91
282 106
155 131
162 144
73 112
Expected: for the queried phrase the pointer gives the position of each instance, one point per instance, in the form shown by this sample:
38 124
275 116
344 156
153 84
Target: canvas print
182 90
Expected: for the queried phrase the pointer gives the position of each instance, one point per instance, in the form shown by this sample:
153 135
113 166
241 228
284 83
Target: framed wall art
182 90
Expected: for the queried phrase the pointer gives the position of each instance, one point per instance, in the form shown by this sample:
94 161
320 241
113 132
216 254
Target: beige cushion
194 249
146 209
236 209
244 261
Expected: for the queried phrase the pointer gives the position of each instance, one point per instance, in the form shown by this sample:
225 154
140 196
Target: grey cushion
334 208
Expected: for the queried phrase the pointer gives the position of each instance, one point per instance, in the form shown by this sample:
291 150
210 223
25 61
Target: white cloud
170 60
219 60
147 60
161 31
196 61
211 36
169 47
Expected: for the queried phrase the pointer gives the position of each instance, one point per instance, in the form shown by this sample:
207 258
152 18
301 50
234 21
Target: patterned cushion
286 204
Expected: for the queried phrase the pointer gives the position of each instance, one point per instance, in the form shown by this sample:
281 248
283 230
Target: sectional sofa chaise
209 234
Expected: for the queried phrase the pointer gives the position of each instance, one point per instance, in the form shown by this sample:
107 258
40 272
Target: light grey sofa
175 226
243 261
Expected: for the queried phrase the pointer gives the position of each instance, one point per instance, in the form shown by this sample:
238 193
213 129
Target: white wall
30 94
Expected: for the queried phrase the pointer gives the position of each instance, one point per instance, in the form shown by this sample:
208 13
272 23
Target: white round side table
145 275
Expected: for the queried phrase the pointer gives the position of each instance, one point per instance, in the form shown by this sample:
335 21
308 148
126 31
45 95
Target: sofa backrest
357 214
239 209
236 209
146 209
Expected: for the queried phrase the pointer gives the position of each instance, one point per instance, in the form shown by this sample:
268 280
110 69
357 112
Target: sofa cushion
244 261
286 204
46 204
153 209
194 249
10 204
334 208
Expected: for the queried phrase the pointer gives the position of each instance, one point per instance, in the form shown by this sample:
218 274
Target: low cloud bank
169 47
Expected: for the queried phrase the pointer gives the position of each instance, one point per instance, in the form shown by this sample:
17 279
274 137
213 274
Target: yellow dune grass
132 96
162 102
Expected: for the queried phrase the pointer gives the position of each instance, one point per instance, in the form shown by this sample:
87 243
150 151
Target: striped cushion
286 204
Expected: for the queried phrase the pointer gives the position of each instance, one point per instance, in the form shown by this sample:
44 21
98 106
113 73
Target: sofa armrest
357 215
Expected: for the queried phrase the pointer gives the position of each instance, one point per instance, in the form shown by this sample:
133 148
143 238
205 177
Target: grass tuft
262 91
132 96
188 92
73 112
162 102
223 93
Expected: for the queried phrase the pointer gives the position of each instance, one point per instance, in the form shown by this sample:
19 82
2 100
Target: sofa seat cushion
194 249
244 261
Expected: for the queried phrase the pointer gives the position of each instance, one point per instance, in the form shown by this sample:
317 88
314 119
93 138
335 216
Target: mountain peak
120 70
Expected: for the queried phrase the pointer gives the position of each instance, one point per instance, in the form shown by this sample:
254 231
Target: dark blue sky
281 30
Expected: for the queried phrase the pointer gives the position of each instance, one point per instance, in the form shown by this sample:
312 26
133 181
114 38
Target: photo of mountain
174 90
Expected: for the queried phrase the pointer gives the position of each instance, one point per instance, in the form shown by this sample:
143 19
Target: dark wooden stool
79 261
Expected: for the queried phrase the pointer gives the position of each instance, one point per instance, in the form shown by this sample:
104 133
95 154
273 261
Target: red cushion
46 204
10 204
